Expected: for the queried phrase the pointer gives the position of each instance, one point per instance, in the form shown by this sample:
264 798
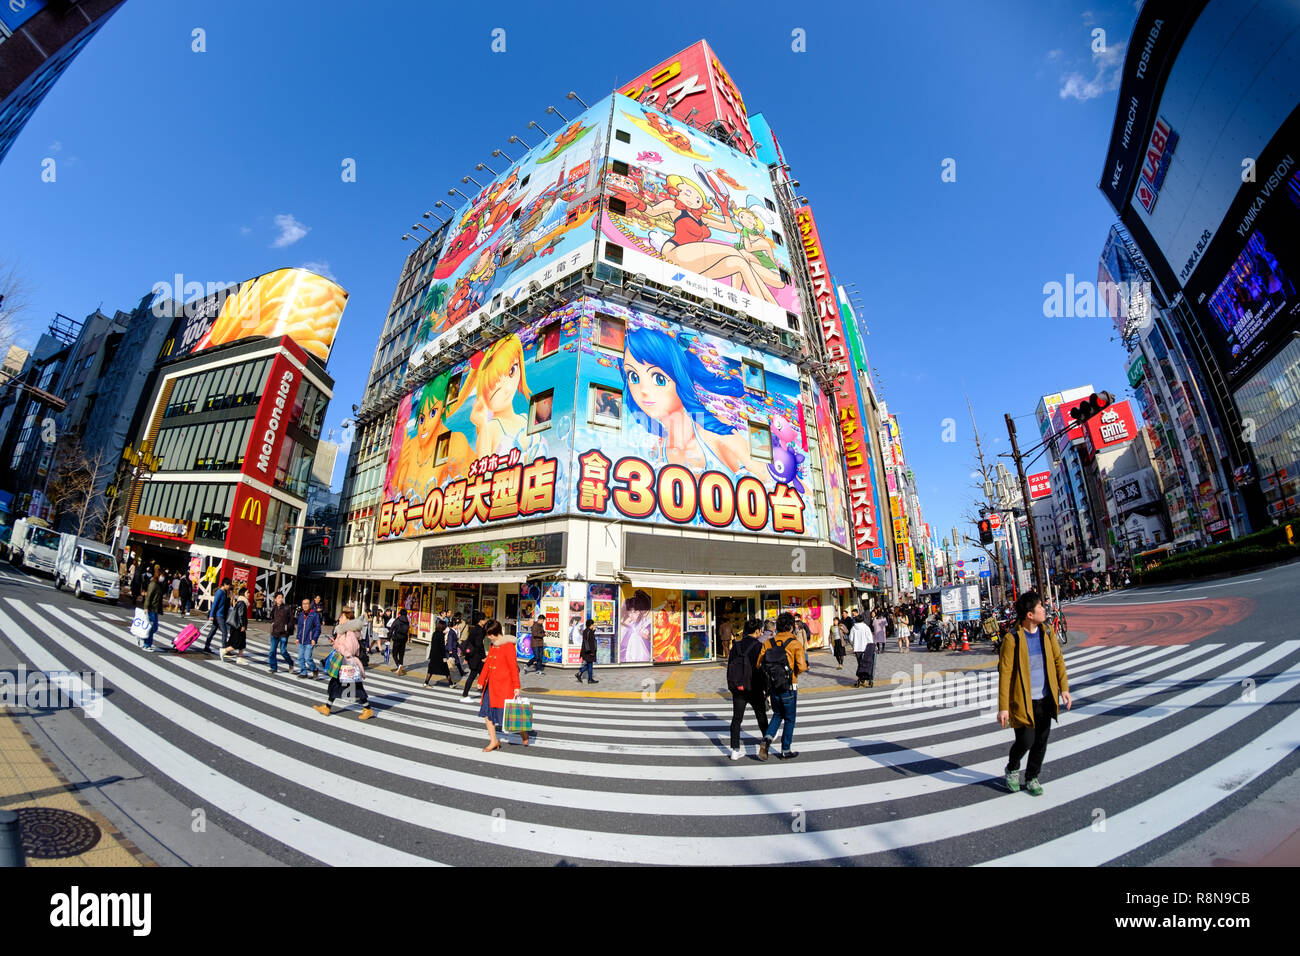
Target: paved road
200 762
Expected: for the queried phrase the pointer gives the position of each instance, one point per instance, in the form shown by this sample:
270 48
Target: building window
453 388
550 340
622 136
606 406
539 411
524 182
776 237
617 206
442 450
770 205
619 167
754 377
614 253
785 277
760 441
792 322
610 332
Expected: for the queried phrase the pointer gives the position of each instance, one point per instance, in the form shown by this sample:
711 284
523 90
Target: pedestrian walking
455 629
187 595
837 643
307 628
499 682
153 606
588 653
880 625
1031 680
538 645
438 654
903 628
379 624
475 652
238 621
725 629
801 630
350 667
782 661
744 680
398 632
217 612
281 626
864 649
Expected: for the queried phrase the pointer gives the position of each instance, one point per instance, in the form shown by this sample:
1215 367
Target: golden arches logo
254 507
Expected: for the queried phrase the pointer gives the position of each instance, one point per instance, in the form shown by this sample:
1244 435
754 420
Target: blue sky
225 164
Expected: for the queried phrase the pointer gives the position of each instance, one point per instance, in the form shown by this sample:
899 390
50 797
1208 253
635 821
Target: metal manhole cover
50 834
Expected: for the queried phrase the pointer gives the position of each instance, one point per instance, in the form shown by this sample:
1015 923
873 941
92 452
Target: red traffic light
1094 404
326 541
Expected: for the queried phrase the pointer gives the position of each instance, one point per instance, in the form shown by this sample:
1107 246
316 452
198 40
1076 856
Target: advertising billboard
293 302
597 408
1040 485
696 215
14 13
860 370
532 223
1114 426
695 84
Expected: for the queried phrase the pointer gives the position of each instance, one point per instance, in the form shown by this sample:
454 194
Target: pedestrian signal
986 531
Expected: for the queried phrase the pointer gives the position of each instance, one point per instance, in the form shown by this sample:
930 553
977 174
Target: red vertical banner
857 450
273 414
247 519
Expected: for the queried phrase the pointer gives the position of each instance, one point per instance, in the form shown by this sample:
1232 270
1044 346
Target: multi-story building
38 39
1202 173
1077 532
615 401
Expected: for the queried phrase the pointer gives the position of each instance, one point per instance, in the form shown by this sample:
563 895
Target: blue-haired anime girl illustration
665 385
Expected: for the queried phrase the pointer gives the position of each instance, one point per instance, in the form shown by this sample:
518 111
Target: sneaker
1013 781
1034 787
592 680
366 714
149 650
737 754
322 708
789 754
301 676
240 660
763 748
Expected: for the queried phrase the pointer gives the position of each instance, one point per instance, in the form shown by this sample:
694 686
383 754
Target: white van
40 546
88 567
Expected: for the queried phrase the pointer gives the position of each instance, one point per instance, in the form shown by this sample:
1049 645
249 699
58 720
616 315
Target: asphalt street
1182 747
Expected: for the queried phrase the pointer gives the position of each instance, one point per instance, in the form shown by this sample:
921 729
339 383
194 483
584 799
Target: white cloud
245 230
291 230
321 269
1088 18
1054 54
1107 67
56 146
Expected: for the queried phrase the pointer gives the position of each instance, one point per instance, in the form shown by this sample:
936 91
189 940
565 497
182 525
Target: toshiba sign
1113 426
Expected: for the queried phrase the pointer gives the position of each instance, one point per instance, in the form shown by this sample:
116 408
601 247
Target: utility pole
1040 576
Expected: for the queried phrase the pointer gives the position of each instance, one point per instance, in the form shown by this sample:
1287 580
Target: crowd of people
1093 582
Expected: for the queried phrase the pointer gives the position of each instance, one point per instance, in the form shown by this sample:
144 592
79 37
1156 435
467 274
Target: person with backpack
308 630
398 632
745 681
588 653
475 653
1031 680
217 613
238 622
864 648
782 661
347 645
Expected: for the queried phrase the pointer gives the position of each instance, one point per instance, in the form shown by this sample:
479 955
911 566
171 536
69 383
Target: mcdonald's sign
247 516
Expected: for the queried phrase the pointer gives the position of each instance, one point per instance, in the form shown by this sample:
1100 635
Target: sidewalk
57 827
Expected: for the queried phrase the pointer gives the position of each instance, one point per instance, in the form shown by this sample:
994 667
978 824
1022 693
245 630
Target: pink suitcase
188 635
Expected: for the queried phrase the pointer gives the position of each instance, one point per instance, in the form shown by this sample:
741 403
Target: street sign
986 574
995 521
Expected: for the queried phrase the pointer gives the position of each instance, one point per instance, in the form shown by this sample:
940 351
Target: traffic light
986 531
1093 405
326 542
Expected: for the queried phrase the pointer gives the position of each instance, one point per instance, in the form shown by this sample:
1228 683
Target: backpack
776 669
740 675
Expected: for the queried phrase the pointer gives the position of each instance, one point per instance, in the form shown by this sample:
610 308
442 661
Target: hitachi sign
273 424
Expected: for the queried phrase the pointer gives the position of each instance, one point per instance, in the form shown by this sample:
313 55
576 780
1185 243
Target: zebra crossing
882 777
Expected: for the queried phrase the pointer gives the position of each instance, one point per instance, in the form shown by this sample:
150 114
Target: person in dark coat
187 594
153 605
438 654
282 618
238 628
475 652
217 612
398 632
748 692
588 653
538 643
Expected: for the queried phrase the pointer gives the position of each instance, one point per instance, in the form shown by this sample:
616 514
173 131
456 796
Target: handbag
333 664
140 624
518 716
349 674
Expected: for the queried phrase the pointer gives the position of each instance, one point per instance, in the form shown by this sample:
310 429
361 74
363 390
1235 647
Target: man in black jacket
539 645
475 655
744 680
282 619
398 632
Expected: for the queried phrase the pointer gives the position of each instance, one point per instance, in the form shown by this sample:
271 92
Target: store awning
368 575
719 582
463 577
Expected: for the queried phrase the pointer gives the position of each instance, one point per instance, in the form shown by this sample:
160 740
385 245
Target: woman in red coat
499 681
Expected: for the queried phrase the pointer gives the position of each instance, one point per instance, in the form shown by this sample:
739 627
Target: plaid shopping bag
518 717
333 664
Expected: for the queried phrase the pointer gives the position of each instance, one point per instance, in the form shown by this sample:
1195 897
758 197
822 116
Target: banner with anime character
692 213
488 439
683 427
534 222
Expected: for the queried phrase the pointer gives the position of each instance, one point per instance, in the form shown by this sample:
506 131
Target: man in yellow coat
1031 679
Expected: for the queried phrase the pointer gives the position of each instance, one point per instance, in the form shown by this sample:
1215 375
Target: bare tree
72 487
15 296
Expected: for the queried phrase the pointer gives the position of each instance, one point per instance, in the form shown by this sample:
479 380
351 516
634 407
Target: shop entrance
729 615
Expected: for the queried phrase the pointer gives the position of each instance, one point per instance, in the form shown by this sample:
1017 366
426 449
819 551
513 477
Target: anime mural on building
687 428
487 439
691 212
533 222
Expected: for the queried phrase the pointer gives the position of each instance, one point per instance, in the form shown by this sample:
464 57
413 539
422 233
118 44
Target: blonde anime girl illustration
495 380
688 245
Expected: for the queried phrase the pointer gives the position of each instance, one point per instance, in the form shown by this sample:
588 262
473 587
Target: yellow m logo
252 507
